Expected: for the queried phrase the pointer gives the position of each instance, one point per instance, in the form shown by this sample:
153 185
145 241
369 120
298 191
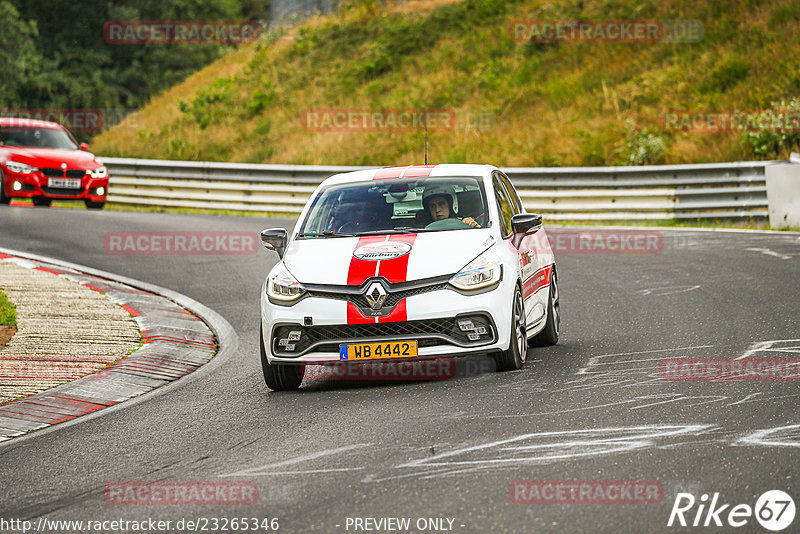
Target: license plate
64 183
375 351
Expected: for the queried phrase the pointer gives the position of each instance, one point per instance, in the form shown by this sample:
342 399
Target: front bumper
35 185
432 320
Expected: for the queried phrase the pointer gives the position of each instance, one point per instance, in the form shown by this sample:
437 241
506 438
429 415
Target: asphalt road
591 408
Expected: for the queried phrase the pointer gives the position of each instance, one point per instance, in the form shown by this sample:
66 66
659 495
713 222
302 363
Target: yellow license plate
375 351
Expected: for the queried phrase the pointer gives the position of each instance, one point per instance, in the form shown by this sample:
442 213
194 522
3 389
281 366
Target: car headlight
99 172
281 285
20 168
483 271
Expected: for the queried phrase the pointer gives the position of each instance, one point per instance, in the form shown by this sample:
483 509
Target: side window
512 194
504 205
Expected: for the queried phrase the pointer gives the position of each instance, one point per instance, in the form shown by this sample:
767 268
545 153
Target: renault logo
376 295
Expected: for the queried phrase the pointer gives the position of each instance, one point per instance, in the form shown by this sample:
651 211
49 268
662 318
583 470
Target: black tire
3 198
549 334
94 205
42 202
514 357
279 377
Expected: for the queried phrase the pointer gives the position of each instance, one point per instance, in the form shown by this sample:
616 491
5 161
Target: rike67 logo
774 510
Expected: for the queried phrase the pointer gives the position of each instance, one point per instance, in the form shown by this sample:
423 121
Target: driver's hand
471 222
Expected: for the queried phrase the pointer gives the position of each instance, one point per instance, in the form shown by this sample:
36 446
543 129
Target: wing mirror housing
275 239
85 147
524 224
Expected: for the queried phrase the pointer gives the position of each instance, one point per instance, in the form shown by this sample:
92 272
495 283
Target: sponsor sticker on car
382 251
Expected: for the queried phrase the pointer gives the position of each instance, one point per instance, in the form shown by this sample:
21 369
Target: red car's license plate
64 183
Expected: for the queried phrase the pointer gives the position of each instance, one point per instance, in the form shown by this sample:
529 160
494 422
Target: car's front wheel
514 357
42 202
3 198
549 334
94 205
279 377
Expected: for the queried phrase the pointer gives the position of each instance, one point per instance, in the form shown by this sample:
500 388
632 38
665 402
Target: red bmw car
41 160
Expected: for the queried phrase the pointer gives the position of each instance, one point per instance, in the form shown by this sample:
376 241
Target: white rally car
408 262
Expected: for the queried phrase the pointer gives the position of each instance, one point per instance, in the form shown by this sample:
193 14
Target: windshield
385 206
30 136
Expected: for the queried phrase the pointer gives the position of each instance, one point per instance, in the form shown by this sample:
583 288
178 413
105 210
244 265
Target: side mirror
85 147
526 223
275 239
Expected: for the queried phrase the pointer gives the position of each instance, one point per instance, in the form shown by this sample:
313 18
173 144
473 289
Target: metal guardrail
713 190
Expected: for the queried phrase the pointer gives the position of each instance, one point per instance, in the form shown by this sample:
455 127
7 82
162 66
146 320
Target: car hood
52 157
332 261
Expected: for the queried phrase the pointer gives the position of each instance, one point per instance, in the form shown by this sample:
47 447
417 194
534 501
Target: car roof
411 171
34 123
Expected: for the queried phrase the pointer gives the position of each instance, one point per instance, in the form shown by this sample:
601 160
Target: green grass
562 104
8 313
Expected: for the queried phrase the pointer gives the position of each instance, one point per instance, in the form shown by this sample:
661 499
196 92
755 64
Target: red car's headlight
20 168
99 172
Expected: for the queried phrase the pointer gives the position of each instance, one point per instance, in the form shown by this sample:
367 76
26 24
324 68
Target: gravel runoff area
65 330
88 342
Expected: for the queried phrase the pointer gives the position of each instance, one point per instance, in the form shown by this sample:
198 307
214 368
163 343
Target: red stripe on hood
354 315
360 269
396 270
397 315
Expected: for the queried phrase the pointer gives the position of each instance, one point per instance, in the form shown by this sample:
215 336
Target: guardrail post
783 193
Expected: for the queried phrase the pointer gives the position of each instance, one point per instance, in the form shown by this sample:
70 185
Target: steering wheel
447 224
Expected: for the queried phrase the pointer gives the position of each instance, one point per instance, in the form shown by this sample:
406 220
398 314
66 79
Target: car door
534 274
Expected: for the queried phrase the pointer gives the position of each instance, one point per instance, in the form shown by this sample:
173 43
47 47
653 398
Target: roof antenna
426 144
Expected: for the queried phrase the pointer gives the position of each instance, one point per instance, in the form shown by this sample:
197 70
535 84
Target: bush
779 143
643 147
210 103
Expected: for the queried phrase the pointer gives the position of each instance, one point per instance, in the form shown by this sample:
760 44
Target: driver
438 200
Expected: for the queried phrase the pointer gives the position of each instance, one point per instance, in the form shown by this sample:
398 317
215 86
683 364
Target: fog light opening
101 191
16 186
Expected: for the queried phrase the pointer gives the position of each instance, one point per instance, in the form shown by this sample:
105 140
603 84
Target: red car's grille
59 173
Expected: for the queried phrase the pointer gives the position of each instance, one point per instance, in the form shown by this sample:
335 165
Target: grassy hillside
516 103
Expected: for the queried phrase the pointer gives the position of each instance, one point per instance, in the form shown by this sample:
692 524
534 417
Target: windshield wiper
402 230
326 233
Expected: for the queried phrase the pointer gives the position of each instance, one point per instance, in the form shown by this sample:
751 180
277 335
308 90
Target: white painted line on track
266 469
782 436
769 252
768 346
